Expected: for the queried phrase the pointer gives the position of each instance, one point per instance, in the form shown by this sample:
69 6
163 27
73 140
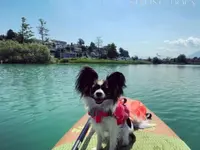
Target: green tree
43 31
92 44
156 60
149 59
121 50
182 59
91 47
195 58
123 53
167 60
135 58
81 42
112 52
11 34
84 49
25 33
19 38
2 37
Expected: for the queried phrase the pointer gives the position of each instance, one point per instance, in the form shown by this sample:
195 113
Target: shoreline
109 61
101 61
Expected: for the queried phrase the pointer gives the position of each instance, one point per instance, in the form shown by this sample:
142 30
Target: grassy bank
102 61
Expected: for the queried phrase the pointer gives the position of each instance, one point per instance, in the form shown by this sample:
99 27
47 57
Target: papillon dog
101 96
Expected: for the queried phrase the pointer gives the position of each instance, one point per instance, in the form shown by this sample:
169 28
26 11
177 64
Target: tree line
25 34
181 59
20 47
108 51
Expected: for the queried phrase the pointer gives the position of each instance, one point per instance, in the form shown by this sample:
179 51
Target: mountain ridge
195 54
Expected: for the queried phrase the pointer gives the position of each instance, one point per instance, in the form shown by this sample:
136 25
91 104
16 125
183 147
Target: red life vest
121 113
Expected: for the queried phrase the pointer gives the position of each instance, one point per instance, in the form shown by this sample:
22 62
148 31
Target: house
194 60
59 44
69 55
96 53
64 50
77 48
63 53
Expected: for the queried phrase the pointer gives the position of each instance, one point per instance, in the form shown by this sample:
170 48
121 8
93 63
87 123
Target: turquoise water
38 103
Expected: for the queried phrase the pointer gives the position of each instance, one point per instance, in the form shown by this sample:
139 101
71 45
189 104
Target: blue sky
143 27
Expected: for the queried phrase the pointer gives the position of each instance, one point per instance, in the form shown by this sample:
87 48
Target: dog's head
89 85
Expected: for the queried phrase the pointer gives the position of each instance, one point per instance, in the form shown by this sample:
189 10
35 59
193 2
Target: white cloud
190 42
179 46
167 52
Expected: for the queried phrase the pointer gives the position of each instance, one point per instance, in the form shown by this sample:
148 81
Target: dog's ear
85 80
116 81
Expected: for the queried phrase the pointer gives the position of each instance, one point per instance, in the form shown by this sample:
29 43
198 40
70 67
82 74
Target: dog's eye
105 86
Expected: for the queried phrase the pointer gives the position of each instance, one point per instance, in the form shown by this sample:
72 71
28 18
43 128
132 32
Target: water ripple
39 102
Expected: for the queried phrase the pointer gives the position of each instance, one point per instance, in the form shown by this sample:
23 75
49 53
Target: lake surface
38 103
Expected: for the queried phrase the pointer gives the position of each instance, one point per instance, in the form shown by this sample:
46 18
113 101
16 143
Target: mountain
196 54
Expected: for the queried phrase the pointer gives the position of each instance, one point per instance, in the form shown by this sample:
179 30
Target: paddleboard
159 137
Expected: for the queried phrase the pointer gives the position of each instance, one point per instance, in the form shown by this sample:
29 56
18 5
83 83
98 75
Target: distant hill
196 54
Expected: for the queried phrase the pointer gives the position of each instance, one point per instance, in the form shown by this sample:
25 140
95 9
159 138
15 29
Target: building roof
58 41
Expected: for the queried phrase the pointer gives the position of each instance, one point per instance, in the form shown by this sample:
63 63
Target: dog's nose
98 94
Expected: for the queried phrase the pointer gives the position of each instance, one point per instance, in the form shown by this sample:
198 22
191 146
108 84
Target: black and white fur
103 95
